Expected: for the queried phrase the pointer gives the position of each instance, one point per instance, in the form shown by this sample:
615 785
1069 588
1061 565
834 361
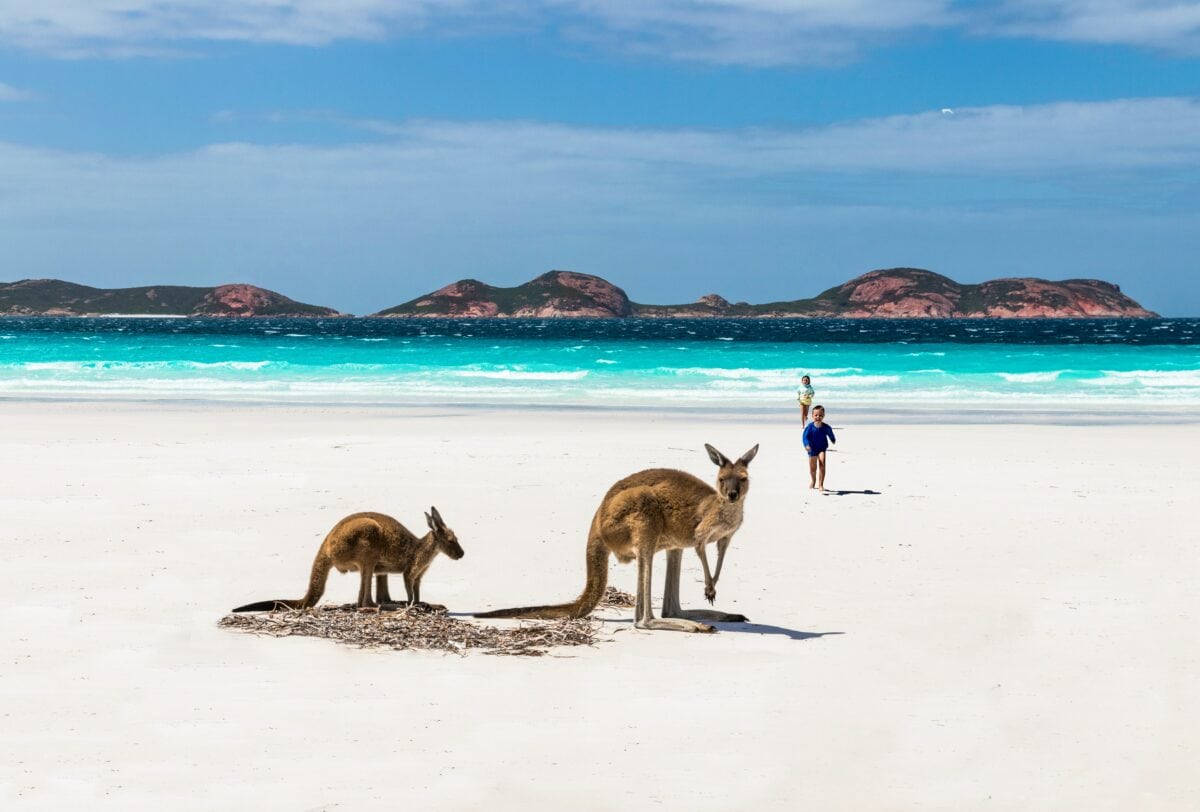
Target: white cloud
77 27
748 32
1172 25
503 170
1055 139
10 93
436 198
752 32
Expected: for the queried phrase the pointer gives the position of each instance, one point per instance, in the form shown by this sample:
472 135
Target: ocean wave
783 375
65 366
121 366
854 381
516 388
1150 378
1030 377
518 375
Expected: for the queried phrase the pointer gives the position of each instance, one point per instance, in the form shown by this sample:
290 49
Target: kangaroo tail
316 588
597 579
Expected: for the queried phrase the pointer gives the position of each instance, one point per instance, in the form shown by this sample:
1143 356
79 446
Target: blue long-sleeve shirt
817 438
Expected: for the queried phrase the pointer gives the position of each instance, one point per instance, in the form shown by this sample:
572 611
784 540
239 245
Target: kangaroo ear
429 521
437 517
749 455
716 456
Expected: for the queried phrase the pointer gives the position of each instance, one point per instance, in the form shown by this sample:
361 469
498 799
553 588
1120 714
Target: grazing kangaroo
659 509
374 544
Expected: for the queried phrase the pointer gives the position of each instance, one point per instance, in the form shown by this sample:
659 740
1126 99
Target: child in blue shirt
817 437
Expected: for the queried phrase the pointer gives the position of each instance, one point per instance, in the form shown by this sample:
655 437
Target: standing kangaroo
374 544
659 509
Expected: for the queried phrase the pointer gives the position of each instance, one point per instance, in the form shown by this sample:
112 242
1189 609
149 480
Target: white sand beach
981 616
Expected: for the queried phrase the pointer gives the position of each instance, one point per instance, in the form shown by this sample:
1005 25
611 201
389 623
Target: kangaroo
374 544
659 509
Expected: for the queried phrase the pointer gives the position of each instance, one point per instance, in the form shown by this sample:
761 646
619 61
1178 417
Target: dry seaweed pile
416 628
616 598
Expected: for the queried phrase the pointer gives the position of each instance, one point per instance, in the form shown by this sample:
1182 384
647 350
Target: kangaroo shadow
742 628
766 628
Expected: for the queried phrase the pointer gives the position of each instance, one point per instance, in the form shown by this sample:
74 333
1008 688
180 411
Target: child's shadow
867 492
766 628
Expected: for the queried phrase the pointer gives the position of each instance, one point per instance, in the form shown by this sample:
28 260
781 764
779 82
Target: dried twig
416 627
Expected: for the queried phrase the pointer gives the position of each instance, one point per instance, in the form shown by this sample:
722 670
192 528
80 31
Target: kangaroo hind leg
645 618
382 595
671 607
367 570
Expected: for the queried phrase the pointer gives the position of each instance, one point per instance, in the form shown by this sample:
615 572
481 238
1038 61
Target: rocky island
892 293
53 297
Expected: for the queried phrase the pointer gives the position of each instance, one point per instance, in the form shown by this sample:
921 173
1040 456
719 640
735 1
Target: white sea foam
515 387
141 316
856 381
789 376
230 364
517 375
64 366
605 361
1030 377
1152 378
715 372
137 366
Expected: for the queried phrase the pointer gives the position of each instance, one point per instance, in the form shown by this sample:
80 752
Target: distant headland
893 293
53 297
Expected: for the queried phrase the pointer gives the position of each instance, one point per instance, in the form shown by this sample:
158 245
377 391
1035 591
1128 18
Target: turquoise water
1097 365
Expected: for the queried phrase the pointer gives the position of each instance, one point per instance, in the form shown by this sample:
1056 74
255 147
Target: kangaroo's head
733 480
443 536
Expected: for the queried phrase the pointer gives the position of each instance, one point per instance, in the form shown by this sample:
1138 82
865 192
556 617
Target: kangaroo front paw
710 594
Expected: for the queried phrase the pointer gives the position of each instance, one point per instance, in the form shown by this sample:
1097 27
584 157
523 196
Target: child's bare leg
803 413
821 458
812 472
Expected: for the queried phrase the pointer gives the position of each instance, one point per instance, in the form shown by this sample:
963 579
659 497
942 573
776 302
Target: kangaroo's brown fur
374 544
659 509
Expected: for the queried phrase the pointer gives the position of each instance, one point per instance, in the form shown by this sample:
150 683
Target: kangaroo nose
733 496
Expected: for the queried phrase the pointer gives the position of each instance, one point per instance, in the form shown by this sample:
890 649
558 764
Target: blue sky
359 154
